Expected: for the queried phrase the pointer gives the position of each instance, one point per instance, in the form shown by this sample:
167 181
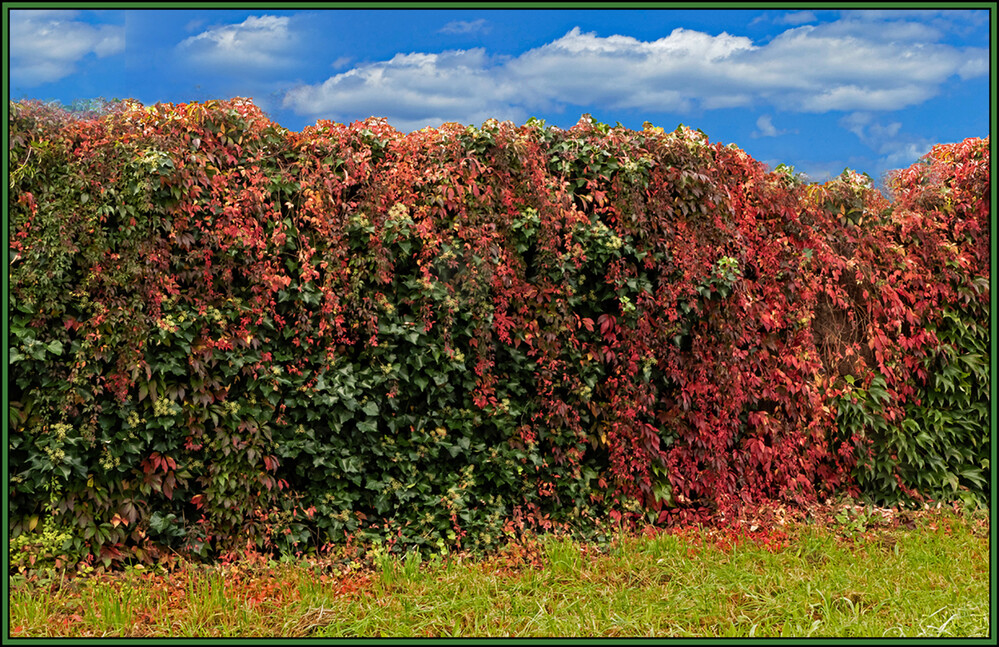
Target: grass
801 580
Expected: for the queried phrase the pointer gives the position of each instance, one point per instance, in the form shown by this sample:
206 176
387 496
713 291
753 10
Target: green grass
931 580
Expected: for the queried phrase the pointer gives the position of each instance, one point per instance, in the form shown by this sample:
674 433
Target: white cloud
415 90
904 154
46 45
820 173
885 30
960 22
836 67
765 127
796 18
973 67
259 41
341 62
853 96
868 130
620 72
848 65
895 148
880 15
464 27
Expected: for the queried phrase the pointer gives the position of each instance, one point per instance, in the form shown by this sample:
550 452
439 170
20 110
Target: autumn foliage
223 331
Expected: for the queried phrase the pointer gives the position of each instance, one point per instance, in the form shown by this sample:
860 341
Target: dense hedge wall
223 331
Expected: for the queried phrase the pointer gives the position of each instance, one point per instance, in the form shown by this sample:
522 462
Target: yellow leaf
32 523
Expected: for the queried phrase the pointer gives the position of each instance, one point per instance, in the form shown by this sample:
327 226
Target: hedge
224 332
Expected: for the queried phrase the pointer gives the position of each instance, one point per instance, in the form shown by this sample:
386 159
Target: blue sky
820 90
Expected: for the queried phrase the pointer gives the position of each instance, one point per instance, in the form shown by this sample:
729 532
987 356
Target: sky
819 90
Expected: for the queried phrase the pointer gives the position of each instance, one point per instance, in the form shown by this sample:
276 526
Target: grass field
847 573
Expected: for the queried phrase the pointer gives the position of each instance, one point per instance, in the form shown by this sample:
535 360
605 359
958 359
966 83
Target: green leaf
371 408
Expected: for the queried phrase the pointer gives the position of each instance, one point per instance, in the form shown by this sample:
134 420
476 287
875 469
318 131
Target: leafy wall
223 331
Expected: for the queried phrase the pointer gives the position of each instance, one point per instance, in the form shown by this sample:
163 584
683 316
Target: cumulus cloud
847 65
415 90
46 45
258 41
464 26
837 67
620 72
